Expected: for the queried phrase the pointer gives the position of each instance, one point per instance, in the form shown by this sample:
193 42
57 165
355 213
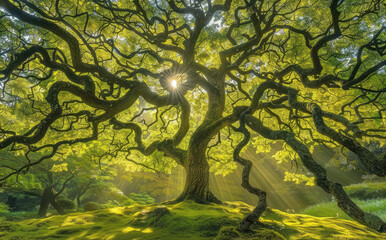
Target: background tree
173 76
60 181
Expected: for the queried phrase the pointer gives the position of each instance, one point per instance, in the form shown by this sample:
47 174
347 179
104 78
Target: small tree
49 194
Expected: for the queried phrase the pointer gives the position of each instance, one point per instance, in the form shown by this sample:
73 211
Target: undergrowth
186 220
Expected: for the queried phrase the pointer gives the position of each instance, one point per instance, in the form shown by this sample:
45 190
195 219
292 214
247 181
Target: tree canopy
159 83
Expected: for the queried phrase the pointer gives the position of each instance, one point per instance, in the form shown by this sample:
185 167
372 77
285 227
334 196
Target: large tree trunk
197 179
196 164
197 173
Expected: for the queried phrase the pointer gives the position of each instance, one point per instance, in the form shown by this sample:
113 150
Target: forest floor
186 220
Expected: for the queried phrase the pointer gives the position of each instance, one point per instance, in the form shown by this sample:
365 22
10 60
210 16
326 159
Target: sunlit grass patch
367 190
330 209
299 226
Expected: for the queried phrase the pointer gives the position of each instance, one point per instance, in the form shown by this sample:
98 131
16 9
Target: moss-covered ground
186 220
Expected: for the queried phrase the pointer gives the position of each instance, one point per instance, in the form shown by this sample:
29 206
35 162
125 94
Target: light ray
174 84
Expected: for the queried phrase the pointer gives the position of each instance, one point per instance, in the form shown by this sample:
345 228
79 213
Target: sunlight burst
173 83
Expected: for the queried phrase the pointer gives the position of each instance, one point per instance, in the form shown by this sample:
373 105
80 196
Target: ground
186 220
330 209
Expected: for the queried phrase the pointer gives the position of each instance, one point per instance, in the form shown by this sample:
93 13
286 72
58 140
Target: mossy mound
92 206
186 220
66 204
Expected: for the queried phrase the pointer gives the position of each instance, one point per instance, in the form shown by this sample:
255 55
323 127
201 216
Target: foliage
26 182
20 201
299 178
143 198
184 222
66 204
103 191
3 209
161 187
145 57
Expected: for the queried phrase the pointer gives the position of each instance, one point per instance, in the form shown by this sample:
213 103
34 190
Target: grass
367 190
330 209
369 196
186 220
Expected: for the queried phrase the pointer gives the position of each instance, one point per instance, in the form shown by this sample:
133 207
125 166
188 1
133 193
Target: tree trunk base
47 199
207 198
255 215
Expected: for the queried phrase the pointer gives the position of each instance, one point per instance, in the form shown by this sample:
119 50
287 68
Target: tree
68 178
176 77
53 175
41 181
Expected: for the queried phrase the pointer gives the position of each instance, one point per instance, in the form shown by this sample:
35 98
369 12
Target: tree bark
57 206
47 199
197 169
45 203
78 201
197 179
261 206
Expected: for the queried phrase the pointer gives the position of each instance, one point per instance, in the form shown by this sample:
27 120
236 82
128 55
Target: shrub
3 208
66 203
141 198
92 206
129 202
135 195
